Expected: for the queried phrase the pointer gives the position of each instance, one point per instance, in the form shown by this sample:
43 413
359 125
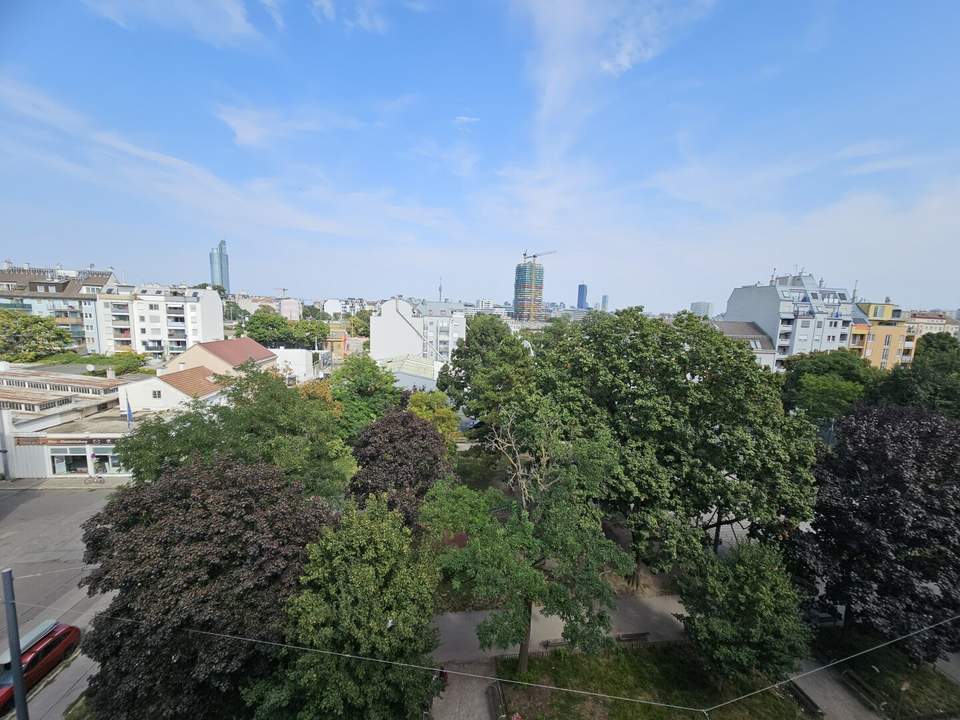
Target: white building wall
141 395
296 363
395 331
332 306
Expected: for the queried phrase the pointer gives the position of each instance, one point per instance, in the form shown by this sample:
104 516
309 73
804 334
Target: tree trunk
716 532
635 578
524 655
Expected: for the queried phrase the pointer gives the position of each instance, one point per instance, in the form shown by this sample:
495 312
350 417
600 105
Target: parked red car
41 650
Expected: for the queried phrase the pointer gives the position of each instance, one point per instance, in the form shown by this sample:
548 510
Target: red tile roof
195 382
237 351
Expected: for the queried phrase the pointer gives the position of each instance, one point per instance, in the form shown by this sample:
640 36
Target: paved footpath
465 698
836 701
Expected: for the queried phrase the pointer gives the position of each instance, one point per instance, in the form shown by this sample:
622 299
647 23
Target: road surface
41 539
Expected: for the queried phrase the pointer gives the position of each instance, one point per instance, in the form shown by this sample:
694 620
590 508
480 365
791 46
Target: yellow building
880 335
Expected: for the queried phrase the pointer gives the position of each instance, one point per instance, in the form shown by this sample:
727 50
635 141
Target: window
69 460
886 342
819 323
804 323
143 331
153 306
156 394
105 461
143 318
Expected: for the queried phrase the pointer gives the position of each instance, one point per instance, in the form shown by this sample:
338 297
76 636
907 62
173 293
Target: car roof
31 638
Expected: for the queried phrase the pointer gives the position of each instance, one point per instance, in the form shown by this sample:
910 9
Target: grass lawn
666 672
78 710
885 670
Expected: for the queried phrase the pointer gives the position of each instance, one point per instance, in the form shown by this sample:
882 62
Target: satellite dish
91 367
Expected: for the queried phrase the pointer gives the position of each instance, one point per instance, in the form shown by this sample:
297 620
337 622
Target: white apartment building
349 306
920 322
428 330
798 313
159 321
290 308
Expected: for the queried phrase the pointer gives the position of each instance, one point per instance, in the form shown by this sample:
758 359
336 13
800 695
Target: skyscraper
702 308
582 297
528 291
220 266
604 302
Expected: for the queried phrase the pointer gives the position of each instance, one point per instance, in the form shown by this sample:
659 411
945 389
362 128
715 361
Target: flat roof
30 396
108 422
38 375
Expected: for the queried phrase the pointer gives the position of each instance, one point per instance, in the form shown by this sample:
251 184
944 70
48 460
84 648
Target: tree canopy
401 456
205 548
826 385
25 337
358 324
263 421
365 391
886 542
364 591
434 407
742 612
271 329
545 549
931 381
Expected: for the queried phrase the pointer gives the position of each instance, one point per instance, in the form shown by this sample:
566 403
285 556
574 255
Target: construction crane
534 256
283 291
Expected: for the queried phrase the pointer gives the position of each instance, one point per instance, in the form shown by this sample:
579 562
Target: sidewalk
79 482
826 689
465 698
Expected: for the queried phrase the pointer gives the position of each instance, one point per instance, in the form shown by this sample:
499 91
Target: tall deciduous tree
25 337
401 456
434 407
359 324
826 385
365 391
486 365
887 542
546 549
269 328
209 549
742 612
365 591
264 421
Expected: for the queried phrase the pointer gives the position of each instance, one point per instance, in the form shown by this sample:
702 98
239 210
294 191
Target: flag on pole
129 414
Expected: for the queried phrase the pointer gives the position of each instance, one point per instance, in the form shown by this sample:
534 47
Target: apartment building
924 322
880 334
67 296
159 321
290 308
799 313
428 330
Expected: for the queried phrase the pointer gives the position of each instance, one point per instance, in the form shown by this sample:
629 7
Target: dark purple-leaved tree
401 456
217 549
887 535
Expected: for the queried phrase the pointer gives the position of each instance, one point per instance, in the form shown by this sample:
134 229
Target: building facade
753 337
67 296
924 322
428 330
159 321
880 334
582 303
798 313
528 291
220 266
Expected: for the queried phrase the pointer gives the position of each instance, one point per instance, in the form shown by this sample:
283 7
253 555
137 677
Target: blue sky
669 151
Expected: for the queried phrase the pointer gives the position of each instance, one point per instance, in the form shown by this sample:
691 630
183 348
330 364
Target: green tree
741 612
269 328
434 407
25 338
931 381
359 325
485 367
365 391
204 549
264 421
702 435
312 312
365 591
546 549
221 291
232 311
827 384
309 334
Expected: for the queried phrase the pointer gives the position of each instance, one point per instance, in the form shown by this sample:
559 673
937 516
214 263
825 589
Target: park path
836 701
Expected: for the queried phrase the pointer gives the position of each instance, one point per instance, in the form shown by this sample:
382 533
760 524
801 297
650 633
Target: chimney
111 373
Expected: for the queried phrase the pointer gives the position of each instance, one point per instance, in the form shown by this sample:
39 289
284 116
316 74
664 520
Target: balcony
119 333
177 335
176 321
175 310
120 308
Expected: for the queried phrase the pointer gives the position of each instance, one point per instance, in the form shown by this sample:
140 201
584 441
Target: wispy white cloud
272 8
218 22
366 15
463 120
459 159
324 9
253 126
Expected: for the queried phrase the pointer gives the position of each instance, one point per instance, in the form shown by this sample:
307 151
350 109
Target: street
40 538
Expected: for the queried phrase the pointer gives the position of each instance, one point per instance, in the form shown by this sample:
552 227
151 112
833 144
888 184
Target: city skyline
382 138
